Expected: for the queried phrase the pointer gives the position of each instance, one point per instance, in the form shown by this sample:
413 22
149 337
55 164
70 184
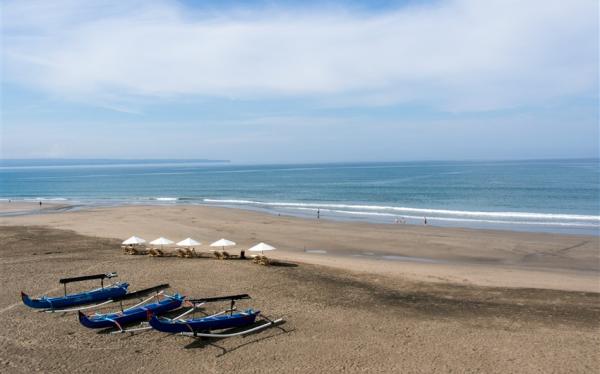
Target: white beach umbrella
161 241
261 247
189 242
134 240
223 243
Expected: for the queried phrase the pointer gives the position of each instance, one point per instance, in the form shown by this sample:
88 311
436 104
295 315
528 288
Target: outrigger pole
76 309
232 298
64 281
139 294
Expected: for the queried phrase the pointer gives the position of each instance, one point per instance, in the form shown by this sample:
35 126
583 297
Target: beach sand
463 301
424 253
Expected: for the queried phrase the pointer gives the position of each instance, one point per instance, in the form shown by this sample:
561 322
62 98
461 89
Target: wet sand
9 207
463 301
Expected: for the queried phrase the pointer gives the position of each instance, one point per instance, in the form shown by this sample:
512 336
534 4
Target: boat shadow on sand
212 342
283 264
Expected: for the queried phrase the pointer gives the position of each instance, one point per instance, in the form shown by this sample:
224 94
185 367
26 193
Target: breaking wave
515 218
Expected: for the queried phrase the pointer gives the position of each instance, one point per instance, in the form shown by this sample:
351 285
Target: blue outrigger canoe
87 297
131 315
205 324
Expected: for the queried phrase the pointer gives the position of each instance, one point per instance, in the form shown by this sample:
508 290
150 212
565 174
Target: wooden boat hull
210 323
138 314
82 298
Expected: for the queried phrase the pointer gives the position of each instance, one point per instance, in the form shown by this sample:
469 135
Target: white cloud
457 55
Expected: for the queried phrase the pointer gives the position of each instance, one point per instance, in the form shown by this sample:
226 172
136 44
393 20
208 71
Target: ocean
561 196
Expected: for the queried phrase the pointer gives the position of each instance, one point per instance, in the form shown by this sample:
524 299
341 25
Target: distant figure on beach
425 220
40 203
318 213
396 221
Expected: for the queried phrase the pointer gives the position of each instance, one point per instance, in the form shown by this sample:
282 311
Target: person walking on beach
425 220
40 204
318 213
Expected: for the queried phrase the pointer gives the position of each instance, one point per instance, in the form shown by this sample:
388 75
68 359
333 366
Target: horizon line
298 162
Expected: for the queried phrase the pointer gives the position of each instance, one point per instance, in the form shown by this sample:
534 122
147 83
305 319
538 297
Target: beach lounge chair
155 252
261 260
223 255
128 249
190 253
136 251
186 253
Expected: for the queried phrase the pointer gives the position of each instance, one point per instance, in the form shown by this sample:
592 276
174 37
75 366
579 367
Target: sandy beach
355 297
424 253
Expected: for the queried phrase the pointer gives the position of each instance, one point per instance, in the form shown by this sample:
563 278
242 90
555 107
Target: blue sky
282 82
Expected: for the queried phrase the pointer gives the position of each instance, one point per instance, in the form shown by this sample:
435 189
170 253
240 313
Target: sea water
550 195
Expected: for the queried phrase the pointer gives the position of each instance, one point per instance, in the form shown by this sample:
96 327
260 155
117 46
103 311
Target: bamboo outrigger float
60 303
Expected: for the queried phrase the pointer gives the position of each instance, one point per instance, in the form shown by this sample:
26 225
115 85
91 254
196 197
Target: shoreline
431 254
12 208
66 205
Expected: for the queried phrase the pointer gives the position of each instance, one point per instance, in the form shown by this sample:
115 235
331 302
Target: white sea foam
439 214
316 251
411 259
47 199
162 198
448 219
34 199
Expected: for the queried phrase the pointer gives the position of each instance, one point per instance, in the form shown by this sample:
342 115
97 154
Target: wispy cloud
454 55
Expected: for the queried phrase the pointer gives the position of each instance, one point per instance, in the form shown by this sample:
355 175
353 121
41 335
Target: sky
310 81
